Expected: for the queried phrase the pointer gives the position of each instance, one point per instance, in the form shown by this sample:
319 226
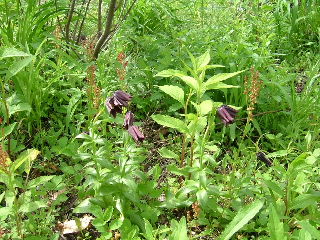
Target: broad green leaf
27 156
166 153
12 52
242 218
219 85
19 65
87 206
174 91
311 229
275 226
179 230
190 81
203 60
221 77
205 107
32 206
274 187
170 122
197 125
7 130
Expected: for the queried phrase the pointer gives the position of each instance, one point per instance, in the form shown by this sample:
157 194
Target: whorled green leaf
205 107
220 85
242 218
221 77
169 73
175 92
190 81
170 122
203 60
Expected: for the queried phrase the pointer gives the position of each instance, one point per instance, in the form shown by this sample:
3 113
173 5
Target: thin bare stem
73 3
99 19
82 22
107 30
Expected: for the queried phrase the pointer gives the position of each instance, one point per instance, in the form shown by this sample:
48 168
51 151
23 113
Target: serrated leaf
170 122
174 91
242 218
220 77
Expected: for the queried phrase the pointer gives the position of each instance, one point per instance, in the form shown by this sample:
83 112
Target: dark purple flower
128 120
135 133
121 98
112 108
115 103
262 157
227 114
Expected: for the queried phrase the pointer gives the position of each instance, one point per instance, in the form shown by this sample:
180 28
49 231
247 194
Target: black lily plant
133 130
115 103
227 114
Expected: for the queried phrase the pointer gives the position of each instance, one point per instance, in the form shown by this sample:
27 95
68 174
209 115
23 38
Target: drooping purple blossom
136 133
115 103
262 157
128 120
227 114
121 98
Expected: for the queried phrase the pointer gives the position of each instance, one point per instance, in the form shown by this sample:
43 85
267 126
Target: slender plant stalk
73 3
99 19
107 30
82 22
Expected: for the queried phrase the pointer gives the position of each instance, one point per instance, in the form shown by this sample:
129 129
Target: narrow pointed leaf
219 85
241 219
221 77
203 60
310 229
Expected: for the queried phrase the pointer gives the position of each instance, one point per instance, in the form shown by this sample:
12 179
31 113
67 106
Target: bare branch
99 19
107 30
83 19
69 20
